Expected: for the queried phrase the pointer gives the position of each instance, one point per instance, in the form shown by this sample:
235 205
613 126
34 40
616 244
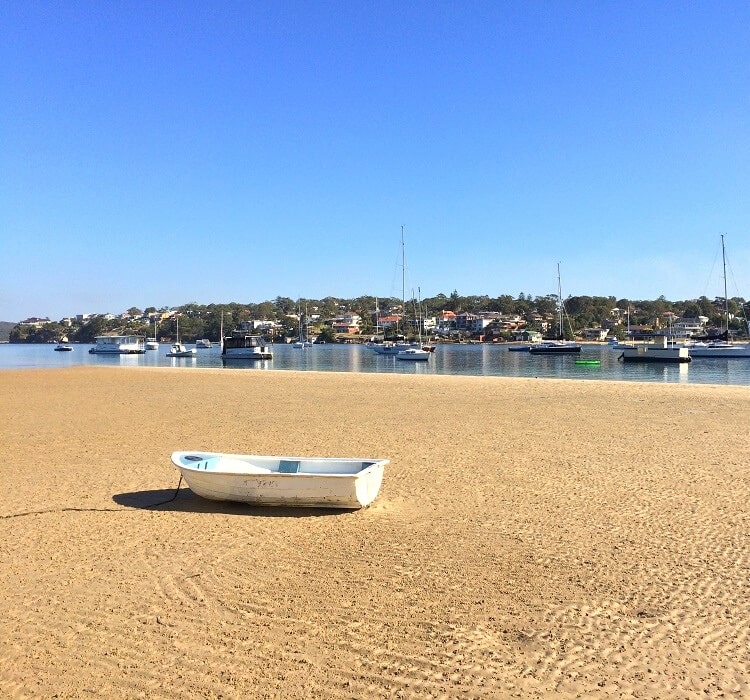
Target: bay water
463 359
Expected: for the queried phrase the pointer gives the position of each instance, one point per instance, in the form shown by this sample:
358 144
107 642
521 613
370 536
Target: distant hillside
5 328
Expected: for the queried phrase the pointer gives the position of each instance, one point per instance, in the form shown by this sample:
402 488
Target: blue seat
288 466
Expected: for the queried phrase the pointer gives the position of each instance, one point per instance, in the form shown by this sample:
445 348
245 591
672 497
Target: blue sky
160 153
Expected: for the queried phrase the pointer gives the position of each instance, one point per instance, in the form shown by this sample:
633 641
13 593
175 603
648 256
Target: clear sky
160 153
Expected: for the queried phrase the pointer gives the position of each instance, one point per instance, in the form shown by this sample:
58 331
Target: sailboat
615 344
395 347
721 347
303 341
418 353
152 343
560 346
178 349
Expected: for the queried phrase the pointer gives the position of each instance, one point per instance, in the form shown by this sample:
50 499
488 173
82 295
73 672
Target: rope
88 510
169 500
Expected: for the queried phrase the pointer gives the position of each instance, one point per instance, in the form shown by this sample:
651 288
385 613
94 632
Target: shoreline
532 537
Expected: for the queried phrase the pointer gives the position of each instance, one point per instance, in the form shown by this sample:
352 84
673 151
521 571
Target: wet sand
532 538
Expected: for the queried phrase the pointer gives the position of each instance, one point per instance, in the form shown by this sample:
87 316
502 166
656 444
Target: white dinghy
321 482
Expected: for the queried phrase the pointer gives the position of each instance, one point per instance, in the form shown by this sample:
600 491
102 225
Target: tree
327 335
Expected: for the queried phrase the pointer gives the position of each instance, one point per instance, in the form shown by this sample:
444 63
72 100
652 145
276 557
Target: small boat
519 348
203 343
413 354
321 482
178 349
62 347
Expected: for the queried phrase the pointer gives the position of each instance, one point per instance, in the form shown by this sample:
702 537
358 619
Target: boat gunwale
193 468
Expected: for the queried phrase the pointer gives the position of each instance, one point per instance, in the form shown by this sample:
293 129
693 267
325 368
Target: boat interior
272 465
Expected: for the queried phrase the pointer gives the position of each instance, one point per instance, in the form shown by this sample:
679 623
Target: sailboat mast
559 304
726 299
403 279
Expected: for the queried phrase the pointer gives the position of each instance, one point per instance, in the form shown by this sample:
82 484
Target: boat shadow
185 501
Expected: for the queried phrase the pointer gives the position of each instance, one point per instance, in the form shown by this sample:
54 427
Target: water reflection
469 359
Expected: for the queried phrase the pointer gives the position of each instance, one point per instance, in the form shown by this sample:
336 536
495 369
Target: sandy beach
532 538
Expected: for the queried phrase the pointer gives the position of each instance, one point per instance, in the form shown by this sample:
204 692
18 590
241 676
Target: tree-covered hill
5 328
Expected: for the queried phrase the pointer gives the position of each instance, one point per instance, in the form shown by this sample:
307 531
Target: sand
532 538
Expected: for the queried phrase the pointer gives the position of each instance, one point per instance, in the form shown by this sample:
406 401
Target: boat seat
288 466
232 466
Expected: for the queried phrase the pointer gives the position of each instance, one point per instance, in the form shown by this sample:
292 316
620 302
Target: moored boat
119 345
63 347
153 342
413 354
180 350
554 348
662 352
322 482
240 346
557 346
718 349
204 343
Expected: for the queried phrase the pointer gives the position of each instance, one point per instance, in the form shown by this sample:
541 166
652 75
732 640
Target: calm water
477 360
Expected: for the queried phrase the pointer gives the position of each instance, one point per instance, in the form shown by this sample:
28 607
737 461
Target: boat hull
413 355
246 354
719 351
649 354
282 481
245 347
118 345
561 349
390 349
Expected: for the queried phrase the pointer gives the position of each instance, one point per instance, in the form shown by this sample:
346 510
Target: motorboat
656 352
554 347
391 347
717 348
180 350
203 343
240 346
119 345
322 482
413 354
